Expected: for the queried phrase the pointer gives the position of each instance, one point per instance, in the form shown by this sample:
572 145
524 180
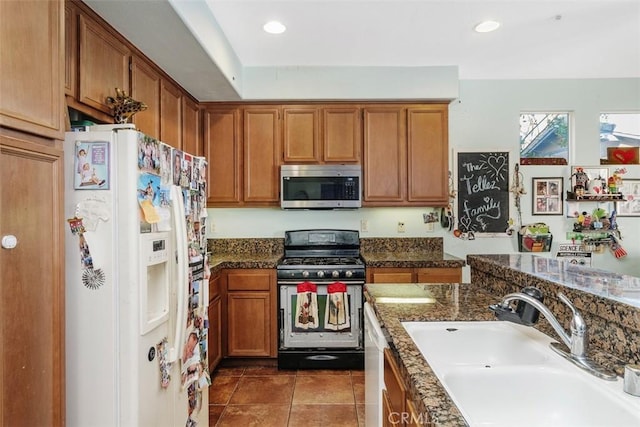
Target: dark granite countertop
454 302
418 259
244 260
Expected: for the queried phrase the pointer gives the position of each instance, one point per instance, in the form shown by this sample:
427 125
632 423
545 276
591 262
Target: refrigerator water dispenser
154 280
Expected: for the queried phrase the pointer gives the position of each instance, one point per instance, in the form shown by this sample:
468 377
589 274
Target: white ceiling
538 39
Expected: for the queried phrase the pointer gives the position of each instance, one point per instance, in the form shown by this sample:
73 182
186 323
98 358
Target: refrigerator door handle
180 227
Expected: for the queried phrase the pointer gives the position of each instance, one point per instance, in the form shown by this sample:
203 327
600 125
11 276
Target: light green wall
485 116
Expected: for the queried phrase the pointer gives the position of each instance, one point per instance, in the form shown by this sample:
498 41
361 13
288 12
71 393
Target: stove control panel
320 274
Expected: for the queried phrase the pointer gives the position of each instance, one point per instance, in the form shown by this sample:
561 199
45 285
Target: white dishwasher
374 344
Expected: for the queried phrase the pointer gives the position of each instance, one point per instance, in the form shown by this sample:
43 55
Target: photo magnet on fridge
91 166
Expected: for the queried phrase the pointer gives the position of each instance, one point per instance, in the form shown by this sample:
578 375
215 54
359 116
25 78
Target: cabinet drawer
393 277
439 275
249 281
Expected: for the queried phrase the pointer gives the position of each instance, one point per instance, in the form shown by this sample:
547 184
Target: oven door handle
320 282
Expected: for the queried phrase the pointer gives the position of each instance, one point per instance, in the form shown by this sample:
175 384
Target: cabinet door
170 114
385 155
390 418
71 49
439 275
215 333
249 317
31 281
415 418
300 134
222 148
32 67
191 132
427 148
262 148
145 87
103 65
390 275
341 134
395 388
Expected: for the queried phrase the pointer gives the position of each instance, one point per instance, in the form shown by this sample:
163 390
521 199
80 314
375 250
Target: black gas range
320 300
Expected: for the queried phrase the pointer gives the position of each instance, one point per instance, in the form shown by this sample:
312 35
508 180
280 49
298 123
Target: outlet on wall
364 225
401 228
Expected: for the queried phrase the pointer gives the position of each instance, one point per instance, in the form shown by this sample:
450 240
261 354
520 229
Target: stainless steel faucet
577 342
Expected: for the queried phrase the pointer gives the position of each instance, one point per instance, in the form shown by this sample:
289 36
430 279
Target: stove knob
320 273
335 273
305 274
348 273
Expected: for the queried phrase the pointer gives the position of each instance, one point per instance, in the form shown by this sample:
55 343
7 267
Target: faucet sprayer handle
578 325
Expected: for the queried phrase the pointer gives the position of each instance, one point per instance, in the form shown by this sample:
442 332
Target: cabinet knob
9 241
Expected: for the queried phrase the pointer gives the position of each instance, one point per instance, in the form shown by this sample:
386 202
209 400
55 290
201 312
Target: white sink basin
502 374
492 343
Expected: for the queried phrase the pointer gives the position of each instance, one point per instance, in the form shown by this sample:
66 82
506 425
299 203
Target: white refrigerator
136 281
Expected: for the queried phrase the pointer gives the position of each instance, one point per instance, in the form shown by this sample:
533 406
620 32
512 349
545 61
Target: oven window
338 316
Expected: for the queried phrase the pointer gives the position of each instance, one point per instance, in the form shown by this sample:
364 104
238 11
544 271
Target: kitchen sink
479 343
503 374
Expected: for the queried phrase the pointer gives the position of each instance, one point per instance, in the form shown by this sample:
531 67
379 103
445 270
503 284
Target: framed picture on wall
631 191
547 196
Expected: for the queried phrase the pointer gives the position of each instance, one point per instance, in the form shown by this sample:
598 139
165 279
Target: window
619 138
544 138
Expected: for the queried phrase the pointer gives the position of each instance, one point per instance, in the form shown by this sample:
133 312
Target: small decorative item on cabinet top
123 106
547 196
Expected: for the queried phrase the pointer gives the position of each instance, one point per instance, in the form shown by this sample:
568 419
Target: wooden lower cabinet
414 275
215 322
251 323
390 275
397 407
439 275
32 298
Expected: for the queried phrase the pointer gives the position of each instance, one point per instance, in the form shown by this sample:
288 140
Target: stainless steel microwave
320 186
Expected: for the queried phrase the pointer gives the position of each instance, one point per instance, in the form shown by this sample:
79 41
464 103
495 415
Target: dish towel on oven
307 306
337 313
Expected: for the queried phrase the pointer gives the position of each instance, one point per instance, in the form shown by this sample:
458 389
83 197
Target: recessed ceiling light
274 27
487 26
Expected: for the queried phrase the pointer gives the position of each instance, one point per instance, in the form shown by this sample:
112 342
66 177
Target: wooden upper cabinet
223 150
385 154
191 127
103 64
427 155
145 87
71 49
406 155
170 114
341 134
32 67
300 134
321 134
262 152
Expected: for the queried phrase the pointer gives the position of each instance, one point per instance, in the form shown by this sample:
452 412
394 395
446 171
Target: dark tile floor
266 397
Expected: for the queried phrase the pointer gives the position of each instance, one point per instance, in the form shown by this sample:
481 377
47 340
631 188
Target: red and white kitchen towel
337 312
307 306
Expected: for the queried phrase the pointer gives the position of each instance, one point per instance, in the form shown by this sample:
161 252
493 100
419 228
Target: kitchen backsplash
377 244
252 246
403 244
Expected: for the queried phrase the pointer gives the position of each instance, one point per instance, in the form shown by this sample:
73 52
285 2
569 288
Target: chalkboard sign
483 191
